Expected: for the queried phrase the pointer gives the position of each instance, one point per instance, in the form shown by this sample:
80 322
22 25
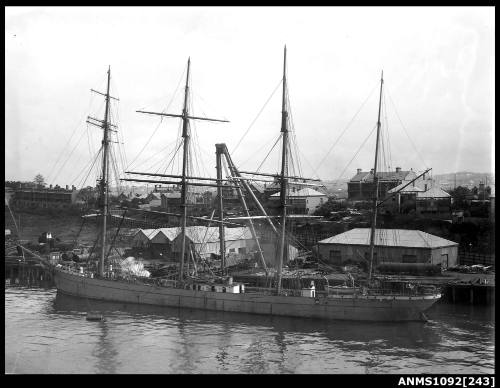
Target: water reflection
148 339
408 335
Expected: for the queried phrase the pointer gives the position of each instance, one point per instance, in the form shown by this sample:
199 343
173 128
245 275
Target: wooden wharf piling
27 272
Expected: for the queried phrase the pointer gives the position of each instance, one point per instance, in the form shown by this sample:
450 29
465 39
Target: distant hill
464 178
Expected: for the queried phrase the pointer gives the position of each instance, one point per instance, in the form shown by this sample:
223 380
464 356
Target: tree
40 180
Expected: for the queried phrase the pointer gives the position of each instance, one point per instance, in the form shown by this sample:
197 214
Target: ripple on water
47 334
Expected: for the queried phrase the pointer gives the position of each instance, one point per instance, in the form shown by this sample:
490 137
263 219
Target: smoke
131 267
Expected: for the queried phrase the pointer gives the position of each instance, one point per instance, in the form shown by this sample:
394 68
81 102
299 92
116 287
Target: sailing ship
220 293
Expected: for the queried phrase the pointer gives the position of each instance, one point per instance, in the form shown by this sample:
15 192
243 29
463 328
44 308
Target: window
232 250
335 256
242 250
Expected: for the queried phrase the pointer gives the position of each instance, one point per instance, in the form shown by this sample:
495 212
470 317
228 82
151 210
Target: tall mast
375 184
184 177
284 172
104 180
222 241
186 137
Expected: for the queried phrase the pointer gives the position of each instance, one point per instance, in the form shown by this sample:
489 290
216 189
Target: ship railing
416 291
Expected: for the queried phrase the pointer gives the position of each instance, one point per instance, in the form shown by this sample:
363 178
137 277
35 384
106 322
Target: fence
469 258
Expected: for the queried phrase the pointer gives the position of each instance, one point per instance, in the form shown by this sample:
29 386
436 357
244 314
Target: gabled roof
165 234
175 194
149 233
306 192
434 192
407 189
383 175
389 238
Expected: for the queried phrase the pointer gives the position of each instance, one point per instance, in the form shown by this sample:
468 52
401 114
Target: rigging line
171 160
397 114
387 131
75 179
258 114
72 134
304 158
158 126
156 153
274 145
359 149
91 168
69 156
345 129
257 151
12 215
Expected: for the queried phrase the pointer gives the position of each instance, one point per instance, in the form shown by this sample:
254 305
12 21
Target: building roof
197 234
306 192
389 238
407 189
203 234
174 194
367 176
434 192
149 233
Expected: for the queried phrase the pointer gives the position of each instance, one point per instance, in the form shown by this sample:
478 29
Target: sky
438 92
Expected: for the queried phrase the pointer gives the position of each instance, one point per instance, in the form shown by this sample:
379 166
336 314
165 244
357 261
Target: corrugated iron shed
389 238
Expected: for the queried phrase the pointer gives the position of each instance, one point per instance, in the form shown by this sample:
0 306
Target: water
46 332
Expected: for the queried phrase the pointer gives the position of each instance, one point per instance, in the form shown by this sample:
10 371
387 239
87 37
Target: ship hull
346 307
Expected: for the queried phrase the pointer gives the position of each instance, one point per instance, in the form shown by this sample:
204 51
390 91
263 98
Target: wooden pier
27 272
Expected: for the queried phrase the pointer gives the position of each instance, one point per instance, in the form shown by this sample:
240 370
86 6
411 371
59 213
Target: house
360 187
391 246
46 197
402 199
433 203
303 201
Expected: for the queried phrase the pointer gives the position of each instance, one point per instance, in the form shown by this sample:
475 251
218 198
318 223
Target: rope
357 151
409 138
161 119
345 129
274 145
258 114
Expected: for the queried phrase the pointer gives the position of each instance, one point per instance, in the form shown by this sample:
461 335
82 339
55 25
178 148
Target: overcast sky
438 68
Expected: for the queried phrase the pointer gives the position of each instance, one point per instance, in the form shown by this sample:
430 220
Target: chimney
50 186
73 187
67 187
371 171
358 170
425 187
398 169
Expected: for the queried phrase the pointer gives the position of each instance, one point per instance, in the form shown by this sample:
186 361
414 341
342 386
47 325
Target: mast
375 184
185 156
104 180
222 241
186 137
284 172
222 149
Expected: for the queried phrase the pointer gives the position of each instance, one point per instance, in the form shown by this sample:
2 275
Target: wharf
27 272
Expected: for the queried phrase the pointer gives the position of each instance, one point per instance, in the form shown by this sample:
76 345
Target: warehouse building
391 246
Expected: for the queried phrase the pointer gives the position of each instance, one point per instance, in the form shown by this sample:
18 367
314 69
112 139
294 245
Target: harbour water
46 332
